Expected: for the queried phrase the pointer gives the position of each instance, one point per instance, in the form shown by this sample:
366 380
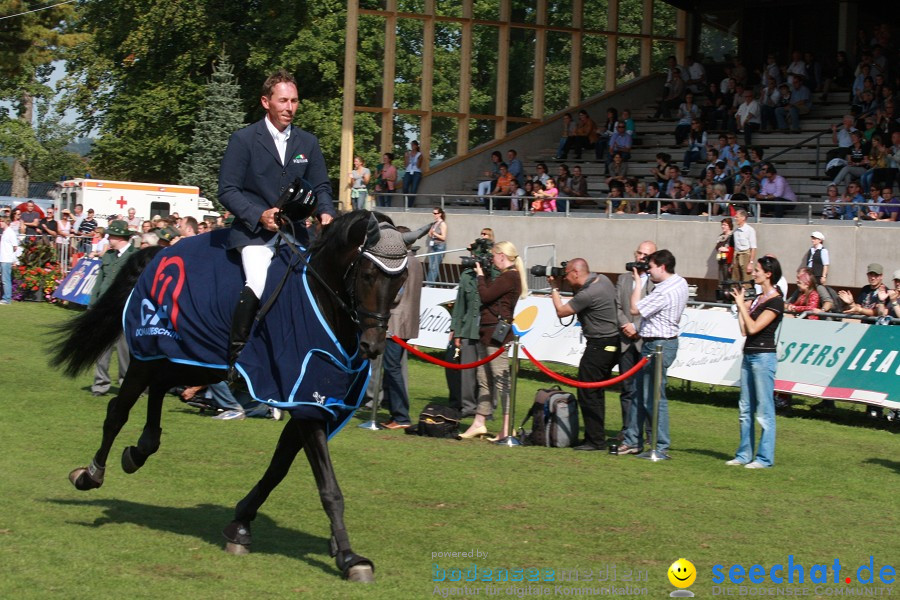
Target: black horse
353 291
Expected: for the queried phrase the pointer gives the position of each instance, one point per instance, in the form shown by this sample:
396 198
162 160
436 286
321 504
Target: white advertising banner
848 361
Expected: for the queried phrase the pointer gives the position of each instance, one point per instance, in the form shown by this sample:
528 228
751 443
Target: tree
29 43
221 115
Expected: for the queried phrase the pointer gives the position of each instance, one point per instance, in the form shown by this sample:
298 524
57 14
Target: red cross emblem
121 201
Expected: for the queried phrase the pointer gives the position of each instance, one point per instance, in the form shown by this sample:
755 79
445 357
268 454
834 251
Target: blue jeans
395 383
411 186
757 404
6 273
221 394
434 261
642 408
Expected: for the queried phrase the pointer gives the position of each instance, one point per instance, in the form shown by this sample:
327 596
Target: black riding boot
241 323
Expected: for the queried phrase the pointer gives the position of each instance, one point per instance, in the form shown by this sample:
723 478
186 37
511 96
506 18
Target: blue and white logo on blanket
319 398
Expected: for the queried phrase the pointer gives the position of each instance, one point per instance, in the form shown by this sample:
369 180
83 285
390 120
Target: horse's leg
136 379
134 457
238 531
353 566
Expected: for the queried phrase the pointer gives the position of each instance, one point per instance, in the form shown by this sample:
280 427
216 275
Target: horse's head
373 260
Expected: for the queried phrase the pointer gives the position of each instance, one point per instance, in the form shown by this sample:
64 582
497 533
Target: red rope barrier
444 363
583 384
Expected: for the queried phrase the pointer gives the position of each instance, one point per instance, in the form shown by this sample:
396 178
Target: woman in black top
498 297
759 321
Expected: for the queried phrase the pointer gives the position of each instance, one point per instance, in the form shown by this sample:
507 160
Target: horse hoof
82 480
362 573
236 549
129 463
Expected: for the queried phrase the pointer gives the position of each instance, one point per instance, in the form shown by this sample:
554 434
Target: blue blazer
252 178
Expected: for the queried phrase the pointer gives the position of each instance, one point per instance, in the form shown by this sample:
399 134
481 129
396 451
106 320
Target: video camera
640 265
723 292
481 250
545 271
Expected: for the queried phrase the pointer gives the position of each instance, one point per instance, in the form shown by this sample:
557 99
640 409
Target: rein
349 279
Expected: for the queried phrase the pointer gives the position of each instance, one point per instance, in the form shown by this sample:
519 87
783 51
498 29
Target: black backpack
555 419
438 421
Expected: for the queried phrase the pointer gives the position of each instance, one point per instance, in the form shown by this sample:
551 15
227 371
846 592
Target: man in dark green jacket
120 250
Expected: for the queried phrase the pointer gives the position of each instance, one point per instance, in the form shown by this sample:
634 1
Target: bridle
349 280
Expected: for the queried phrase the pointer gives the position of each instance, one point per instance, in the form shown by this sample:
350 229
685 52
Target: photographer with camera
595 304
465 320
629 340
499 296
660 312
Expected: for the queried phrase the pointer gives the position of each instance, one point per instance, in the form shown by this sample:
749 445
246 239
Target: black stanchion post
510 406
372 424
657 391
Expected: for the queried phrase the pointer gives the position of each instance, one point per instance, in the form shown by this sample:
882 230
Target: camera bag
438 421
554 417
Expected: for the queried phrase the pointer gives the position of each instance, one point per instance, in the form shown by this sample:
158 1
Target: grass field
156 534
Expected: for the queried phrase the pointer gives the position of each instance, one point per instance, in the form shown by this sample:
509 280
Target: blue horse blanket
181 309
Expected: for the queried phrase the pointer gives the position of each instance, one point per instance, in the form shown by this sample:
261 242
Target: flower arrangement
38 273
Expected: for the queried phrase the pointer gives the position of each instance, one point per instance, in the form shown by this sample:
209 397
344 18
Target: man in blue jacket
261 161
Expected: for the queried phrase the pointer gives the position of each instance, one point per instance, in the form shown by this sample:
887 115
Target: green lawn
156 534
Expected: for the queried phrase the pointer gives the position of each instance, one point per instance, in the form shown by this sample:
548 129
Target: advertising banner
825 359
77 285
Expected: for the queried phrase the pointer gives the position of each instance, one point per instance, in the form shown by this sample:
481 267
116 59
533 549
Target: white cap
818 235
897 274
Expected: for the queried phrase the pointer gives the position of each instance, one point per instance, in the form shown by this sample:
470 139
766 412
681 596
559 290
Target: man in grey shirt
595 304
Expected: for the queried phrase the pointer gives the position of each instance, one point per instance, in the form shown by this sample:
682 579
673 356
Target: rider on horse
260 164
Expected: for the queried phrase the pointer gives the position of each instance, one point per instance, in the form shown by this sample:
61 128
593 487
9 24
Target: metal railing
810 211
798 145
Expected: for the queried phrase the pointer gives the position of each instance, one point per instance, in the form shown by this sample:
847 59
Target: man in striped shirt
660 313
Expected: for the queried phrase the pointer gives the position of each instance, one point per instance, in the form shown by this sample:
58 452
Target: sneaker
231 415
276 414
626 449
395 425
4 301
755 465
735 462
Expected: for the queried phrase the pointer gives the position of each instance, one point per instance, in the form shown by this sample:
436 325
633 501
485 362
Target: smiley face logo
682 573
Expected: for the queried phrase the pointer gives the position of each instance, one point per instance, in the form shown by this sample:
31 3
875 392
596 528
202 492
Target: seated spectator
775 188
585 136
605 132
694 75
728 150
614 199
712 109
697 141
491 174
619 143
662 163
813 72
838 75
832 208
879 165
618 171
673 183
687 112
748 116
797 69
629 122
674 94
546 197
506 185
719 200
853 202
756 159
742 160
720 174
576 186
541 173
857 160
563 178
688 194
514 165
568 128
769 99
806 298
797 103
739 71
630 194
889 209
745 183
841 137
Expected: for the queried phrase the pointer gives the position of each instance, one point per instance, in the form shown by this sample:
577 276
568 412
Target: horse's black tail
79 342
